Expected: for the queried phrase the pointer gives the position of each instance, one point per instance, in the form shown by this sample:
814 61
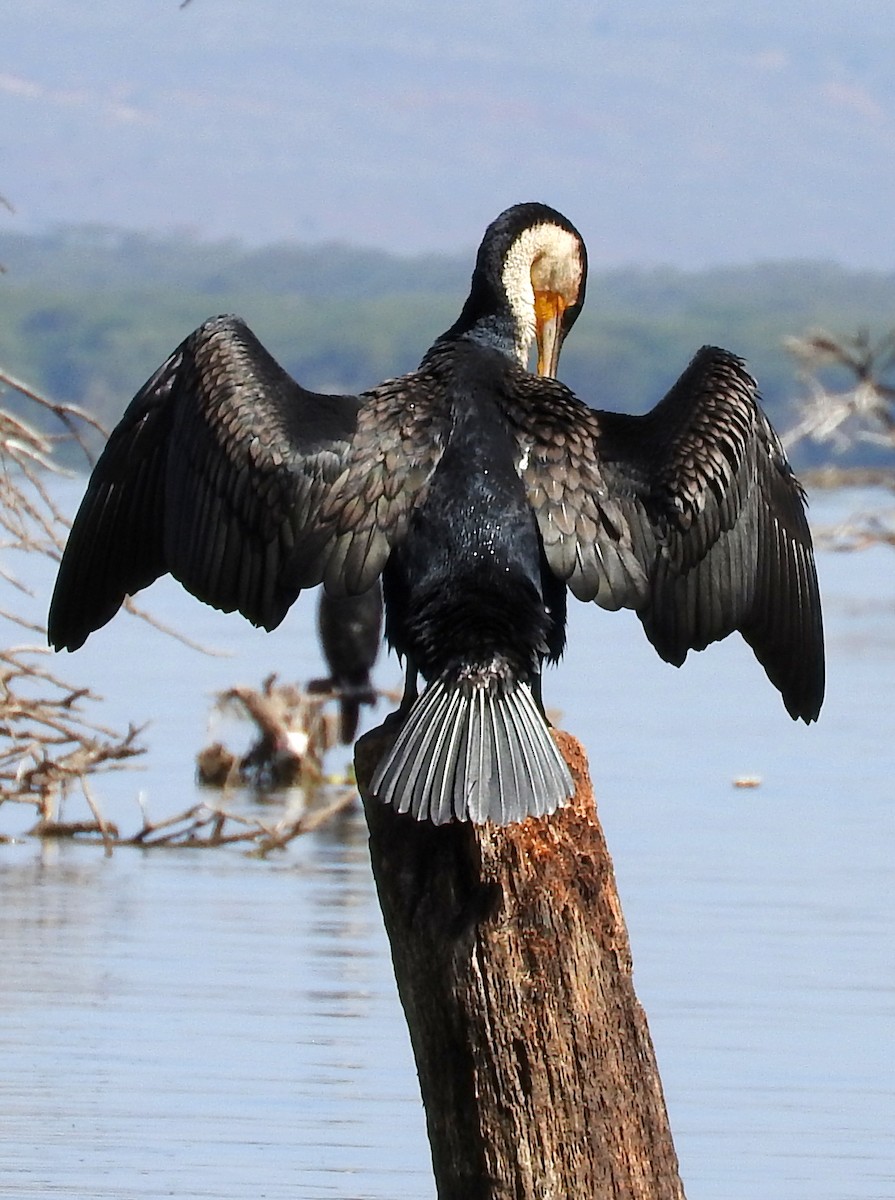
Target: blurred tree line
86 314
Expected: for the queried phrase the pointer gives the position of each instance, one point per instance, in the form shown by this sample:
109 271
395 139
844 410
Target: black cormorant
479 493
350 633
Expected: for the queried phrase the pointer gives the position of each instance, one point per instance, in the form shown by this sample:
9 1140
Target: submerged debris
205 826
295 728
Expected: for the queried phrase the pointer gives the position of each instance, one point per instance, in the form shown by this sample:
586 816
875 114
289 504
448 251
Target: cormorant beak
549 309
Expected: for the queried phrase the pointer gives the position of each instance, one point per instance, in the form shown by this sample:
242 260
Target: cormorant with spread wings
480 494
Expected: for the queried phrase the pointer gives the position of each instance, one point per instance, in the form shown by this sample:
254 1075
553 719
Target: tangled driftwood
49 740
861 411
294 730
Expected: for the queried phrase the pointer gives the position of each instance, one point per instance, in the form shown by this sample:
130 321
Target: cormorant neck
490 318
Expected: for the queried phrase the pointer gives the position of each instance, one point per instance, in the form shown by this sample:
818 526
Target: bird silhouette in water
480 494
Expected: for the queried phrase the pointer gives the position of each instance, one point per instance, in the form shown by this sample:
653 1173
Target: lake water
200 1023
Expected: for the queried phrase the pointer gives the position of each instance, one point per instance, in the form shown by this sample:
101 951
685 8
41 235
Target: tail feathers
474 754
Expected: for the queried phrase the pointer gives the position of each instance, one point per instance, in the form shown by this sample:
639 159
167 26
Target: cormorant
350 632
479 493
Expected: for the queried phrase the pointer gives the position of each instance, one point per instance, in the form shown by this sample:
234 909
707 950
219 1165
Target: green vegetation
87 314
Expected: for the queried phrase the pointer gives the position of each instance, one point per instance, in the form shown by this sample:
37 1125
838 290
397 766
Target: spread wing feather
243 485
690 515
400 436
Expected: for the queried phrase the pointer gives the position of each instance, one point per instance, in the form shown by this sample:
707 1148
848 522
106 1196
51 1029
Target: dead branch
294 730
135 610
862 411
49 741
859 531
72 418
203 826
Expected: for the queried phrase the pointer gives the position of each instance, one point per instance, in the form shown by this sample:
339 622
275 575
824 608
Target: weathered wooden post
514 969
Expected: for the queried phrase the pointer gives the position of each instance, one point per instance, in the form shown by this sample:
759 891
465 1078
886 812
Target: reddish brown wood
514 969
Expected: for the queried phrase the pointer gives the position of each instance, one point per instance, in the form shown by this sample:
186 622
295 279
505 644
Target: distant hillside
87 314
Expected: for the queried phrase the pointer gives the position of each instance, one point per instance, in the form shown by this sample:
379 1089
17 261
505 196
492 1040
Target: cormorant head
528 285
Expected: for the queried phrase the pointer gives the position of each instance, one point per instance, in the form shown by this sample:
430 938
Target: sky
691 134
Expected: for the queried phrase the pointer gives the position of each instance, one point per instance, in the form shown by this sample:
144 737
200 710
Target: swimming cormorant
479 493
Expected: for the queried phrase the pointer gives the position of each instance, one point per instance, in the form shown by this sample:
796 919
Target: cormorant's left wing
700 493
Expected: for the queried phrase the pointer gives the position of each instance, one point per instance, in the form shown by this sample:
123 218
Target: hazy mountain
710 132
88 313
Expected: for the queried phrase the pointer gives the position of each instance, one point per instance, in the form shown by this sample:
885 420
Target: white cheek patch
556 266
546 257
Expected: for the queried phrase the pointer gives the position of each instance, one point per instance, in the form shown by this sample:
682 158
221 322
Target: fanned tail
474 753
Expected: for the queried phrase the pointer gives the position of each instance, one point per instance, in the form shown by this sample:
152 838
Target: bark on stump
513 965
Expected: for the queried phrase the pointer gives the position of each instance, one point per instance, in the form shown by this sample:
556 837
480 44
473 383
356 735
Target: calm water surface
202 1024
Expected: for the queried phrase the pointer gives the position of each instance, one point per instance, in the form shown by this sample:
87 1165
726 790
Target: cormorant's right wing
218 464
403 426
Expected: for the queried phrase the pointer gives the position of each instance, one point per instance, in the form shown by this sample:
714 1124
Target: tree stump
513 966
